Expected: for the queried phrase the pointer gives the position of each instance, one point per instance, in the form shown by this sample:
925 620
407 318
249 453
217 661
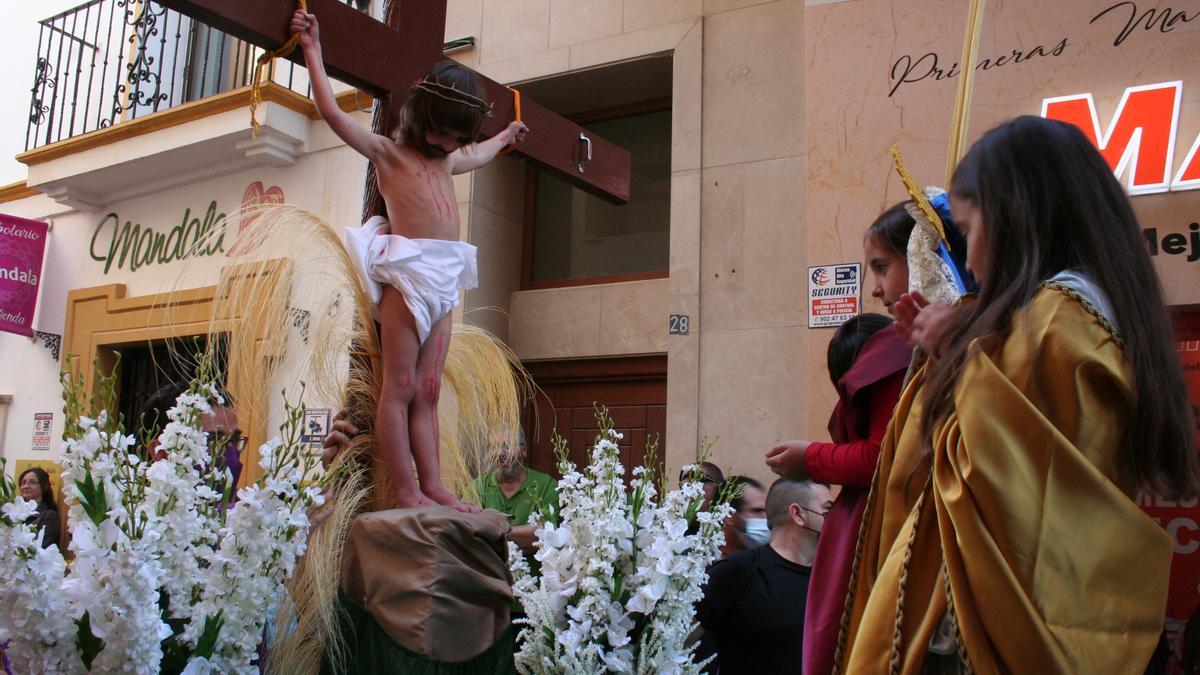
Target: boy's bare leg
398 341
423 427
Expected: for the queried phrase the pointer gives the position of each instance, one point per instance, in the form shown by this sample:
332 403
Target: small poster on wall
42 423
833 294
316 427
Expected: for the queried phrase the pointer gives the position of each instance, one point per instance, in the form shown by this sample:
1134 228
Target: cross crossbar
386 61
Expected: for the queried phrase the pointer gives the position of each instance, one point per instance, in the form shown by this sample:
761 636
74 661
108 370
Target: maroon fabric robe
867 396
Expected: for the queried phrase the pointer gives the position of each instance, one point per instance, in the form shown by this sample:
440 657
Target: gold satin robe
1050 565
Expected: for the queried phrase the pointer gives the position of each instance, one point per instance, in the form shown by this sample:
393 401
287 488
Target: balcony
136 72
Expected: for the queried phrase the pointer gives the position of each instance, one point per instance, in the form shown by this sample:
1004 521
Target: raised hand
921 323
787 459
515 132
306 25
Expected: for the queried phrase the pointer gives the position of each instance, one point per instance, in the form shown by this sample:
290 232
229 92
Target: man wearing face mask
753 606
747 526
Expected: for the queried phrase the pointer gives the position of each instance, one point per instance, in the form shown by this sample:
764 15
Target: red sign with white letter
1140 140
22 246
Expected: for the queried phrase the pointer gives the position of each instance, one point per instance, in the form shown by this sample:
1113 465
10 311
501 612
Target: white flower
617 590
163 533
19 510
197 665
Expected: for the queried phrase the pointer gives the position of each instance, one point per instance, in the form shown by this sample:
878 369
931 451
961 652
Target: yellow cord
263 61
516 118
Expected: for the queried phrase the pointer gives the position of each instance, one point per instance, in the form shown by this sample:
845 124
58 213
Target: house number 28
678 324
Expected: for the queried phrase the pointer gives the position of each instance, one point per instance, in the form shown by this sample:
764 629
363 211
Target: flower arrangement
167 576
621 568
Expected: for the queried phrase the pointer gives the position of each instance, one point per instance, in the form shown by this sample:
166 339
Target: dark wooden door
634 389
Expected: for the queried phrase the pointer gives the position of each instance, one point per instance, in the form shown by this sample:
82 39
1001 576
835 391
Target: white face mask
757 531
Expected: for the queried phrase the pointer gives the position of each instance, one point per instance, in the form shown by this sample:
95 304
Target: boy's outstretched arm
362 139
475 155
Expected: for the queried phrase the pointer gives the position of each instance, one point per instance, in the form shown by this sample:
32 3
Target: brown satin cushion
435 579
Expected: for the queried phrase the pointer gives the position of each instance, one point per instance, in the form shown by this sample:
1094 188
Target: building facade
759 132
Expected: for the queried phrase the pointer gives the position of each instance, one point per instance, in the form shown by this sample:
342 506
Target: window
572 237
578 236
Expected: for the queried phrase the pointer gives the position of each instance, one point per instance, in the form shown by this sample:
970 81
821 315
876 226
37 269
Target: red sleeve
853 464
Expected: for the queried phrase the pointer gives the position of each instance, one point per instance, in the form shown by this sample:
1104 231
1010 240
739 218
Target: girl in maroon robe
867 363
867 394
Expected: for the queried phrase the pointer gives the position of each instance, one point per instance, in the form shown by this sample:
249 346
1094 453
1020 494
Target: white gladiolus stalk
114 578
42 619
264 538
620 574
159 557
182 510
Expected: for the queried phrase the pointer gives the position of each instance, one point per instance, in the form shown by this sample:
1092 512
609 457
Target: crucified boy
412 261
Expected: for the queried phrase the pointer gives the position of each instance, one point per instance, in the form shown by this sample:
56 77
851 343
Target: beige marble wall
683 351
520 40
494 207
587 321
851 48
737 210
752 330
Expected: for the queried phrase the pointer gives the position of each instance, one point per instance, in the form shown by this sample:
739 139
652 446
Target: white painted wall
328 182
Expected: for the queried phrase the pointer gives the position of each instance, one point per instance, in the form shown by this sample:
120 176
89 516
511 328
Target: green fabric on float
371 651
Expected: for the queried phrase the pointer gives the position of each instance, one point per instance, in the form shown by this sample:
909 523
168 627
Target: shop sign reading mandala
833 294
134 245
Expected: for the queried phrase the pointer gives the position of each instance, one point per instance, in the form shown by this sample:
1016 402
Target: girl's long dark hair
1049 203
892 229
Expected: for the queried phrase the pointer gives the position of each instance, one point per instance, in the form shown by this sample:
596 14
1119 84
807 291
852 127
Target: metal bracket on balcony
51 341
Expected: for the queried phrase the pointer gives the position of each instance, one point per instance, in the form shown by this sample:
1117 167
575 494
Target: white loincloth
428 272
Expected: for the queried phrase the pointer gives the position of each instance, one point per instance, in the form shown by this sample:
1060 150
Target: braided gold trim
1089 307
897 632
265 60
918 196
848 606
963 659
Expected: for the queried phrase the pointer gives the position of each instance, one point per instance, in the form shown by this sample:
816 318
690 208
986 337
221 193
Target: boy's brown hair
449 99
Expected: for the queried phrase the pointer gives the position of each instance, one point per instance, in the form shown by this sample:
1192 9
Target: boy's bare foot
413 500
444 497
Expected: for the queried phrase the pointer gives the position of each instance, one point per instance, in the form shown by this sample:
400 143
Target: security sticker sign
834 294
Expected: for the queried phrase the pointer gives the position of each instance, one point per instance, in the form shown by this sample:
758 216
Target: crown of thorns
453 94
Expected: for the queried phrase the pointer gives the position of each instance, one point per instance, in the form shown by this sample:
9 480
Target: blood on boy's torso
419 194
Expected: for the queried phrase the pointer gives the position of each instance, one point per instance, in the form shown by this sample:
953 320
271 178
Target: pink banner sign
22 246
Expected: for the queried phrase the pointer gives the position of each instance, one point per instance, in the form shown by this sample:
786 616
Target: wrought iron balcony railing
108 61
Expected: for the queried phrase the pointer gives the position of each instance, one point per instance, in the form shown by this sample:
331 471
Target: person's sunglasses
239 442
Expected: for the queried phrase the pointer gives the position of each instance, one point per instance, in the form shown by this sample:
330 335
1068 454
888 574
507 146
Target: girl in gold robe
1001 535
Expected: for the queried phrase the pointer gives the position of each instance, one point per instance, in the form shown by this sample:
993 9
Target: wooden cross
385 59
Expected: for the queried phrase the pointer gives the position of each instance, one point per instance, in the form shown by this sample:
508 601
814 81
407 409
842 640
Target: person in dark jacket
34 484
